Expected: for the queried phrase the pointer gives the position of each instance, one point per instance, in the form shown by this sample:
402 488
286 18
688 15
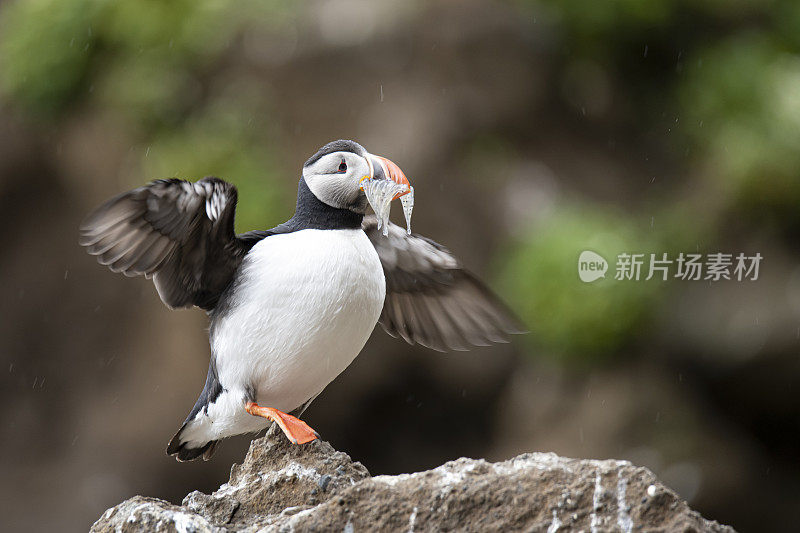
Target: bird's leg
295 429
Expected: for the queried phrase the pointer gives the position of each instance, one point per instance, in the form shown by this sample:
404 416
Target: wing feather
177 232
431 299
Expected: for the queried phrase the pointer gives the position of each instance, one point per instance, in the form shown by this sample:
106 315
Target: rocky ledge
281 487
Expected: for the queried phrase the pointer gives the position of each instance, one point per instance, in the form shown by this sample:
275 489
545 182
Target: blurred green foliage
572 319
45 48
152 65
742 104
149 52
730 74
732 86
225 140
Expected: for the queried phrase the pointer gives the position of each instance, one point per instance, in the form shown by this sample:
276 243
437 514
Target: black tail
182 452
211 391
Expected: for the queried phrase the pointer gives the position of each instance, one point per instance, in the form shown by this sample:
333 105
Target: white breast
304 305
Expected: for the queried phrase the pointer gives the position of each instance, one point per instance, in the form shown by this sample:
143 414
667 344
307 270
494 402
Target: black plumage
210 393
342 145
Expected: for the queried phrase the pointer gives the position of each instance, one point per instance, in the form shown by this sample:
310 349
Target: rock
283 487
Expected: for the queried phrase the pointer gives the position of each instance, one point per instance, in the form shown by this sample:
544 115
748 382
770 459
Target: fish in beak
385 183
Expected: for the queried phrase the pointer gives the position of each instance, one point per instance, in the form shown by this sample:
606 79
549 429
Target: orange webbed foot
295 429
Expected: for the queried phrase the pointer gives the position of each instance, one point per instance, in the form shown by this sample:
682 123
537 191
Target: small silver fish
380 194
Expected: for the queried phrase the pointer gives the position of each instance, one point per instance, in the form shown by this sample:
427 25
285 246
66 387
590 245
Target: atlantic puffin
292 306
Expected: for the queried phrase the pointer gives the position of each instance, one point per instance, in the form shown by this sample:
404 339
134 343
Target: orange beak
392 172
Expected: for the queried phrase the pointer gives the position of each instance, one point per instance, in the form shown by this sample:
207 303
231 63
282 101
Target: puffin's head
336 174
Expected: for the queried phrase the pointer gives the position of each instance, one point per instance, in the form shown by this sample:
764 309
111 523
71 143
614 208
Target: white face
335 179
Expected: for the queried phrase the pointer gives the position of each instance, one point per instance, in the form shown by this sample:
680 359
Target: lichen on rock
283 487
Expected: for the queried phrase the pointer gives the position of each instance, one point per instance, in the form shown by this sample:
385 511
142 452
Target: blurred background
532 130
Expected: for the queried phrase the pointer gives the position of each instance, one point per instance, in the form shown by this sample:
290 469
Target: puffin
291 307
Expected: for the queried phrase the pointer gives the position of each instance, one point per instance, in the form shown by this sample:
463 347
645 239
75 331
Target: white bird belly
303 307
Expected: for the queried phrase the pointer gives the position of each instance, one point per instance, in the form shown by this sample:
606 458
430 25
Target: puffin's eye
342 166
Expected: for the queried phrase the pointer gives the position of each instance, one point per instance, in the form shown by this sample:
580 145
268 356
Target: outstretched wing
177 232
430 299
